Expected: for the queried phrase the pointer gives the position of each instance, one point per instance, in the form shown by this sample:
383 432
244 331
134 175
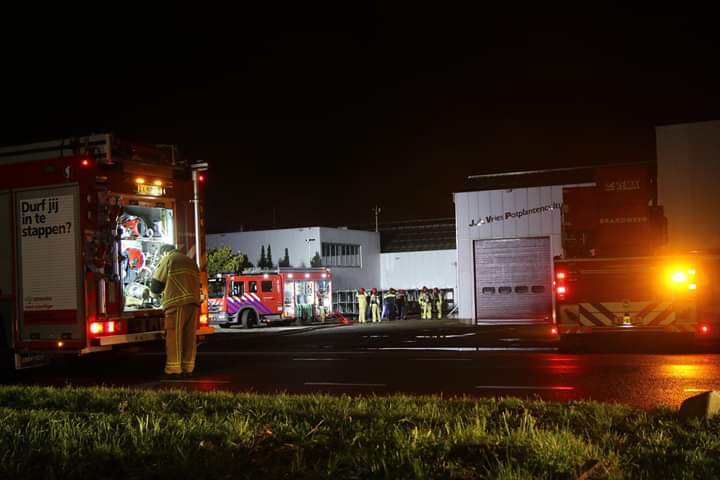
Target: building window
341 255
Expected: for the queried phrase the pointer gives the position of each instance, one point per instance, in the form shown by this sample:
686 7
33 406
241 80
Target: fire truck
286 295
83 219
614 276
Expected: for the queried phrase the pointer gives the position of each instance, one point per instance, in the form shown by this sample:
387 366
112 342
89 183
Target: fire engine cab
82 222
286 295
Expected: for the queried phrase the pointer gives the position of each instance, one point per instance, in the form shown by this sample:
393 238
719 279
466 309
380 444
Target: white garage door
513 280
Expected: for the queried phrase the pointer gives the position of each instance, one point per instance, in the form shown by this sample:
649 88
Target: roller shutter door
513 280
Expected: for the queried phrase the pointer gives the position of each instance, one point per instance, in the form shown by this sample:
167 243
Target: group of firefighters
394 304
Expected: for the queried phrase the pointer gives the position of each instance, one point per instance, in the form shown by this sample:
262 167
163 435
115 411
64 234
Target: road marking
520 387
471 349
442 359
319 359
342 384
194 381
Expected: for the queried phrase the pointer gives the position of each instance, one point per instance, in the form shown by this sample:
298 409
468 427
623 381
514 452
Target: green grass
119 433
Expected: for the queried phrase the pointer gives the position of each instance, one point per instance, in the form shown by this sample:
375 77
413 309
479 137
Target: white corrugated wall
499 214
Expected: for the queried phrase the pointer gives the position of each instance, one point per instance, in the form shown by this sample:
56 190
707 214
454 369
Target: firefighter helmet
436 289
361 290
374 290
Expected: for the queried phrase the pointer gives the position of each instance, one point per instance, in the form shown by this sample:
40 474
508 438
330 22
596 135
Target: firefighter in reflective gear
375 305
401 302
362 304
177 278
388 310
425 304
438 299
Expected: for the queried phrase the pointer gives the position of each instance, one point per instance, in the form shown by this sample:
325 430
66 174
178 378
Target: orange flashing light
60 344
203 319
140 180
110 327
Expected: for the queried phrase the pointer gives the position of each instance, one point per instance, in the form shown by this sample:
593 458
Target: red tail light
554 331
560 275
704 329
85 162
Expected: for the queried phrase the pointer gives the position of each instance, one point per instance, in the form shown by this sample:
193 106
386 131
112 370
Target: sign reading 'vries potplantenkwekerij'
515 214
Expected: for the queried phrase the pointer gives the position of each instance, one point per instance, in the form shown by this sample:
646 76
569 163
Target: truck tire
248 318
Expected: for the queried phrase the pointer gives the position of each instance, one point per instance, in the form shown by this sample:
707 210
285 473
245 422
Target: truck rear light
203 319
110 327
85 162
96 328
561 290
704 329
692 286
554 331
560 275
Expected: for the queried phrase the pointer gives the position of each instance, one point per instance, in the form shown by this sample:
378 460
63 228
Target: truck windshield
216 288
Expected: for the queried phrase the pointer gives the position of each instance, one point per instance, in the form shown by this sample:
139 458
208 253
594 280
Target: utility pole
377 212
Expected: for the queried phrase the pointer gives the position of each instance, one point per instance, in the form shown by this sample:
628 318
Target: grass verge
119 433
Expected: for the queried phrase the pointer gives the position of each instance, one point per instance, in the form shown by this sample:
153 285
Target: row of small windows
238 288
341 255
509 290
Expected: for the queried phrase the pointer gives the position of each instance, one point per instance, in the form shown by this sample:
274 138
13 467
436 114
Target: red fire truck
613 278
83 220
285 295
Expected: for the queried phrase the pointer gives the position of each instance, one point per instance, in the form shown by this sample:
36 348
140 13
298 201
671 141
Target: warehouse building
508 230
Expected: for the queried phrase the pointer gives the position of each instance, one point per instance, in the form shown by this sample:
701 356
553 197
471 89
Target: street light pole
308 240
377 212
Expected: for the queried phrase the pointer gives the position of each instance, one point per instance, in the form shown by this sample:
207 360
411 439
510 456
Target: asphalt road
417 357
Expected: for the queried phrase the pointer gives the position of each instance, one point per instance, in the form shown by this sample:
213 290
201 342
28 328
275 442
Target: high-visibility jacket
362 300
178 278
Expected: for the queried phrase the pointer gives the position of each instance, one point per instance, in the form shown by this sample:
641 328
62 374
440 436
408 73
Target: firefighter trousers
180 341
375 308
361 313
439 305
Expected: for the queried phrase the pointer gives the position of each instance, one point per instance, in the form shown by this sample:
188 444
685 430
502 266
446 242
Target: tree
285 262
262 263
224 260
269 258
316 260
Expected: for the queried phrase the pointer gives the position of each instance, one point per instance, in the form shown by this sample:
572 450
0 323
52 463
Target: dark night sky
322 113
